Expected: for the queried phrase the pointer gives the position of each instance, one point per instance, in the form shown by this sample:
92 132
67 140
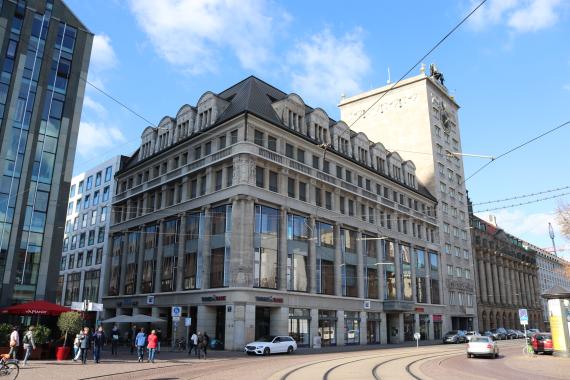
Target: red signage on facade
437 318
420 309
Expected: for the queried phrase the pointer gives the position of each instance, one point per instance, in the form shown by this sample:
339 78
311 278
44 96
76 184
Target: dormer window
381 164
363 155
397 172
342 145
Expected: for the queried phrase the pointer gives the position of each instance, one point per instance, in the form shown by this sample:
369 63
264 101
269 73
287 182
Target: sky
508 67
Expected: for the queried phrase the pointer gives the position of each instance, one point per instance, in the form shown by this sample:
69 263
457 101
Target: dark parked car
511 334
499 334
489 334
455 336
542 342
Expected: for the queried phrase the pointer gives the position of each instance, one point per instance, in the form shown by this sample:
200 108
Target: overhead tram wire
517 147
521 196
524 203
413 67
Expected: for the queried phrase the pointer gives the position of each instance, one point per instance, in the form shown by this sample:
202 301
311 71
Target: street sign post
176 311
523 318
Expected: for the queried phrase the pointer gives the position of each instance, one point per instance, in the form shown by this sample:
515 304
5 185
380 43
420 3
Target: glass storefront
437 325
406 277
297 253
424 326
409 327
327 327
266 243
352 327
389 270
434 277
299 326
373 328
220 246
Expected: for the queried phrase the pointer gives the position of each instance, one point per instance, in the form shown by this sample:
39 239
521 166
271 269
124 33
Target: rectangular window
259 176
272 143
273 182
301 155
303 191
222 142
234 137
291 187
326 166
98 179
258 138
328 200
289 151
316 161
218 179
89 184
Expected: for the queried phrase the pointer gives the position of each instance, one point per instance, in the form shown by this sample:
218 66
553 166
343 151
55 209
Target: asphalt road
439 362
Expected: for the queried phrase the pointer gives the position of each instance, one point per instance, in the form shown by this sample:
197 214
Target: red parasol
35 308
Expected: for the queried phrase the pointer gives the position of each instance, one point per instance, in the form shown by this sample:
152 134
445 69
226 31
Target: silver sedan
482 346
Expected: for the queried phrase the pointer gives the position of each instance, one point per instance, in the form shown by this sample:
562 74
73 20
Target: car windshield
268 338
479 340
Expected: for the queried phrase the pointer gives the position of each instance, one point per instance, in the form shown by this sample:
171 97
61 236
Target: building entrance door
262 318
393 325
220 336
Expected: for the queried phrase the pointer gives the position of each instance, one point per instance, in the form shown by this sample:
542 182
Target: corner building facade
418 118
44 55
236 212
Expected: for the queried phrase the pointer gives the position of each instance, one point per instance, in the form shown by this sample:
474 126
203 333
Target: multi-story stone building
552 271
258 214
44 58
85 243
418 118
507 276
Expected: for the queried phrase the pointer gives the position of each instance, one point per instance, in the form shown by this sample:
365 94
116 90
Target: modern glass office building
44 59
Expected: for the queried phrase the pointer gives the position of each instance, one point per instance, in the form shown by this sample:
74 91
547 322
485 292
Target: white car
471 334
271 345
482 346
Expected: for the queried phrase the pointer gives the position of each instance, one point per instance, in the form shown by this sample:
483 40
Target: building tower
44 60
418 118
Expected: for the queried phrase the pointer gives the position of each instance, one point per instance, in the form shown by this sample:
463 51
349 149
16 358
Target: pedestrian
132 337
140 341
98 343
76 349
159 337
152 345
14 342
84 344
199 344
193 344
29 344
205 343
115 334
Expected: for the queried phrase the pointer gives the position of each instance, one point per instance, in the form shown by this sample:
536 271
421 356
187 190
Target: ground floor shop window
297 272
299 326
325 274
437 326
373 328
424 326
327 327
390 274
409 327
352 327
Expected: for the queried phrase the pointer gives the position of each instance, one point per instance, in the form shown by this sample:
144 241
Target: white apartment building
418 118
86 230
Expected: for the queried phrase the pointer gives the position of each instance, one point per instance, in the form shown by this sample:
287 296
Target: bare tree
563 217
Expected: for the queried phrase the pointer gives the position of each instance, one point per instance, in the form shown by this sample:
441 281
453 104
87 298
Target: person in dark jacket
205 343
98 343
115 334
84 344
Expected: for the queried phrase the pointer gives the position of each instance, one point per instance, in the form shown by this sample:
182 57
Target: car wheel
266 351
290 350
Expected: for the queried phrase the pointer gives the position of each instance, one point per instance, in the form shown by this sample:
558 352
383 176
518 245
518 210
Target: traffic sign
417 336
175 319
523 316
187 322
176 311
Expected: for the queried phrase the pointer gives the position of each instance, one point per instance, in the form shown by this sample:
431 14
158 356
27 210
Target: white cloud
532 227
95 138
566 87
520 16
192 34
326 66
103 55
96 107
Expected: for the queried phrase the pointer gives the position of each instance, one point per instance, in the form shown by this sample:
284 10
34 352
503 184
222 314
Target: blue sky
509 69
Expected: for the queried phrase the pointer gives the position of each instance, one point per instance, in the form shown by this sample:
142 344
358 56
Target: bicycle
181 344
9 367
528 350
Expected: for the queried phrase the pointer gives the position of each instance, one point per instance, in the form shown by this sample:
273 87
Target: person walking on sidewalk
152 345
84 344
205 343
115 334
140 341
159 337
98 343
14 342
193 344
29 344
76 349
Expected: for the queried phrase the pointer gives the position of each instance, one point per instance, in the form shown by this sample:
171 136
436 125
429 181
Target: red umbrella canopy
35 308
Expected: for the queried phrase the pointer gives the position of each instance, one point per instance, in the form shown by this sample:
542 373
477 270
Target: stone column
184 188
337 261
507 283
314 325
206 248
489 277
398 262
537 290
282 251
413 261
312 256
516 289
383 329
363 328
159 252
482 281
242 242
164 192
123 275
497 293
340 328
140 260
360 270
502 286
145 205
181 246
380 269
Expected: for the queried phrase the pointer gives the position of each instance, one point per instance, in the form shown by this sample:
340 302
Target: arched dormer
291 111
340 134
394 161
148 140
185 118
165 133
409 169
209 108
318 126
361 148
378 157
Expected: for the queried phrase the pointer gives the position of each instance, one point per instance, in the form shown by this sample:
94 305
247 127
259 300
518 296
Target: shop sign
420 309
367 304
437 318
127 302
269 299
213 298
